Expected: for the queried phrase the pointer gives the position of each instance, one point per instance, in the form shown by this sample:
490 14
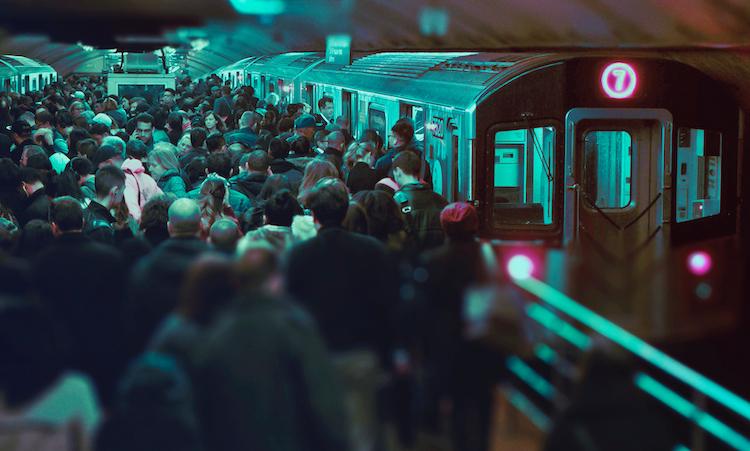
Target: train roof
420 76
239 65
23 65
285 65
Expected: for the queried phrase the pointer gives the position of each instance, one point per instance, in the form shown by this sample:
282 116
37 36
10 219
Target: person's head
10 175
314 171
184 219
258 162
258 267
154 218
281 208
213 122
75 136
214 197
325 106
167 98
247 120
63 122
116 142
195 170
197 137
82 167
402 132
107 156
76 109
278 148
31 181
184 145
224 235
215 142
109 183
163 159
285 125
144 127
384 218
459 221
273 184
219 163
406 167
336 140
136 149
44 137
35 237
319 139
300 146
99 132
30 152
329 202
356 219
44 119
20 131
305 126
65 215
210 283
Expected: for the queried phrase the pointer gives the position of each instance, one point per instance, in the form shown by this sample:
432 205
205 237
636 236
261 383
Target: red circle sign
619 80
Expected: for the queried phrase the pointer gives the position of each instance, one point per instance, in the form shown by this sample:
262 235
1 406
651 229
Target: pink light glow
520 267
699 263
619 80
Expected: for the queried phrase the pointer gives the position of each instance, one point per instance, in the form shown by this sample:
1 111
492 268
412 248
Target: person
216 143
214 124
334 151
106 216
325 108
38 202
144 130
315 171
107 155
359 175
290 374
85 172
402 138
224 236
197 140
220 164
278 150
20 134
245 134
256 172
11 195
165 169
385 222
214 202
225 102
421 206
279 212
89 318
174 127
155 281
154 218
139 186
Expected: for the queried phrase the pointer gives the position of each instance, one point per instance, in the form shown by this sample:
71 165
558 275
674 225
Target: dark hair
329 201
278 148
273 184
82 166
383 215
36 235
66 212
65 184
215 141
370 135
76 136
97 128
356 219
63 119
196 170
220 163
136 149
226 90
300 146
210 283
30 175
281 208
258 160
10 175
404 129
323 100
144 117
174 120
285 124
154 218
198 137
409 162
107 178
44 117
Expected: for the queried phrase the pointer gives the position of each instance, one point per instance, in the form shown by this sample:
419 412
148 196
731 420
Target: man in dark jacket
20 133
334 151
156 280
245 133
342 277
37 206
264 380
89 301
278 150
421 206
106 217
402 138
251 181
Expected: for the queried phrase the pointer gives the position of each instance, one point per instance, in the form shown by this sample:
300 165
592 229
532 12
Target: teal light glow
259 7
545 353
681 448
558 326
530 377
687 409
635 345
525 406
520 267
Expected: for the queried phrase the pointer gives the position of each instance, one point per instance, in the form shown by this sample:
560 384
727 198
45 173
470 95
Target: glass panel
524 176
607 166
698 174
417 115
377 121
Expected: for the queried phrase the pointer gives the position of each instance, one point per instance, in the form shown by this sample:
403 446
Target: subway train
616 174
22 75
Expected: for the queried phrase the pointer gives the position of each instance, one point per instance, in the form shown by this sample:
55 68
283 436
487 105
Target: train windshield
524 176
607 160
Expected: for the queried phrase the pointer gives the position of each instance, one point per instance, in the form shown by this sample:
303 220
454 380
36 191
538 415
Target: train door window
698 174
524 167
346 105
40 82
376 120
416 114
607 156
6 85
262 93
308 94
25 85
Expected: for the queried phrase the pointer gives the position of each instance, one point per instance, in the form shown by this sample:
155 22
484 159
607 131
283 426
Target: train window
346 105
416 114
607 162
376 120
698 174
524 176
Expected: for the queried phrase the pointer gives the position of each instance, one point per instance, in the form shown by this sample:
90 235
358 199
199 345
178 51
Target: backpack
421 208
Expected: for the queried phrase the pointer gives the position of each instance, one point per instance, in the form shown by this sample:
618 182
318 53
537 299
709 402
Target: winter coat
248 183
172 182
139 187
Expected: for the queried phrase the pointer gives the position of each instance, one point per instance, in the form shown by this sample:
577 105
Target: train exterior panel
23 75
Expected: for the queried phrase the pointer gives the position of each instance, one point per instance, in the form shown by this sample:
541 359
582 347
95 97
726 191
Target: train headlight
699 263
520 267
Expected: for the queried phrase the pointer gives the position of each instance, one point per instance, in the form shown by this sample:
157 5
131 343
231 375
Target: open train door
615 179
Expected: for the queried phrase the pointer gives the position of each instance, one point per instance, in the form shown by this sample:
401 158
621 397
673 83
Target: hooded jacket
139 187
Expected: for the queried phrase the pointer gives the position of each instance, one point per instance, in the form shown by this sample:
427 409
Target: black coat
37 208
249 184
421 207
345 281
99 225
292 173
154 287
82 283
265 382
361 178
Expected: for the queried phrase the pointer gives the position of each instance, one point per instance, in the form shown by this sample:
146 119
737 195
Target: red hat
459 219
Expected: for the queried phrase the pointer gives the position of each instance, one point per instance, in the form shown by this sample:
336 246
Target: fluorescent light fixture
545 353
199 44
690 411
530 377
259 7
617 334
558 326
528 408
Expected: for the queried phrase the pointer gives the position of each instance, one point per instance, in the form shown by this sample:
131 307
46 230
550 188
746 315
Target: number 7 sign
619 80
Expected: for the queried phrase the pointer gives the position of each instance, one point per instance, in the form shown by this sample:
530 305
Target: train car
609 171
235 73
23 75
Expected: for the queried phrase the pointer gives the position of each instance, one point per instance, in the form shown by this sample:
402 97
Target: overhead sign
619 80
339 49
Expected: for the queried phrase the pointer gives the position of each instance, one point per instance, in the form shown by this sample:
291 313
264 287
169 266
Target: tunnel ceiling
711 34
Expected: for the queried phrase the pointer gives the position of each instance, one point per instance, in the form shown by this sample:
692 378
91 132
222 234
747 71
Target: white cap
103 119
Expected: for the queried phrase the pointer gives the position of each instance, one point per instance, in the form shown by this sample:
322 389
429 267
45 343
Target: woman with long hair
213 124
174 127
165 169
214 201
314 171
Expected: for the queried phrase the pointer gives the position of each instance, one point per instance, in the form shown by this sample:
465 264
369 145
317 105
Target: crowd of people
212 271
